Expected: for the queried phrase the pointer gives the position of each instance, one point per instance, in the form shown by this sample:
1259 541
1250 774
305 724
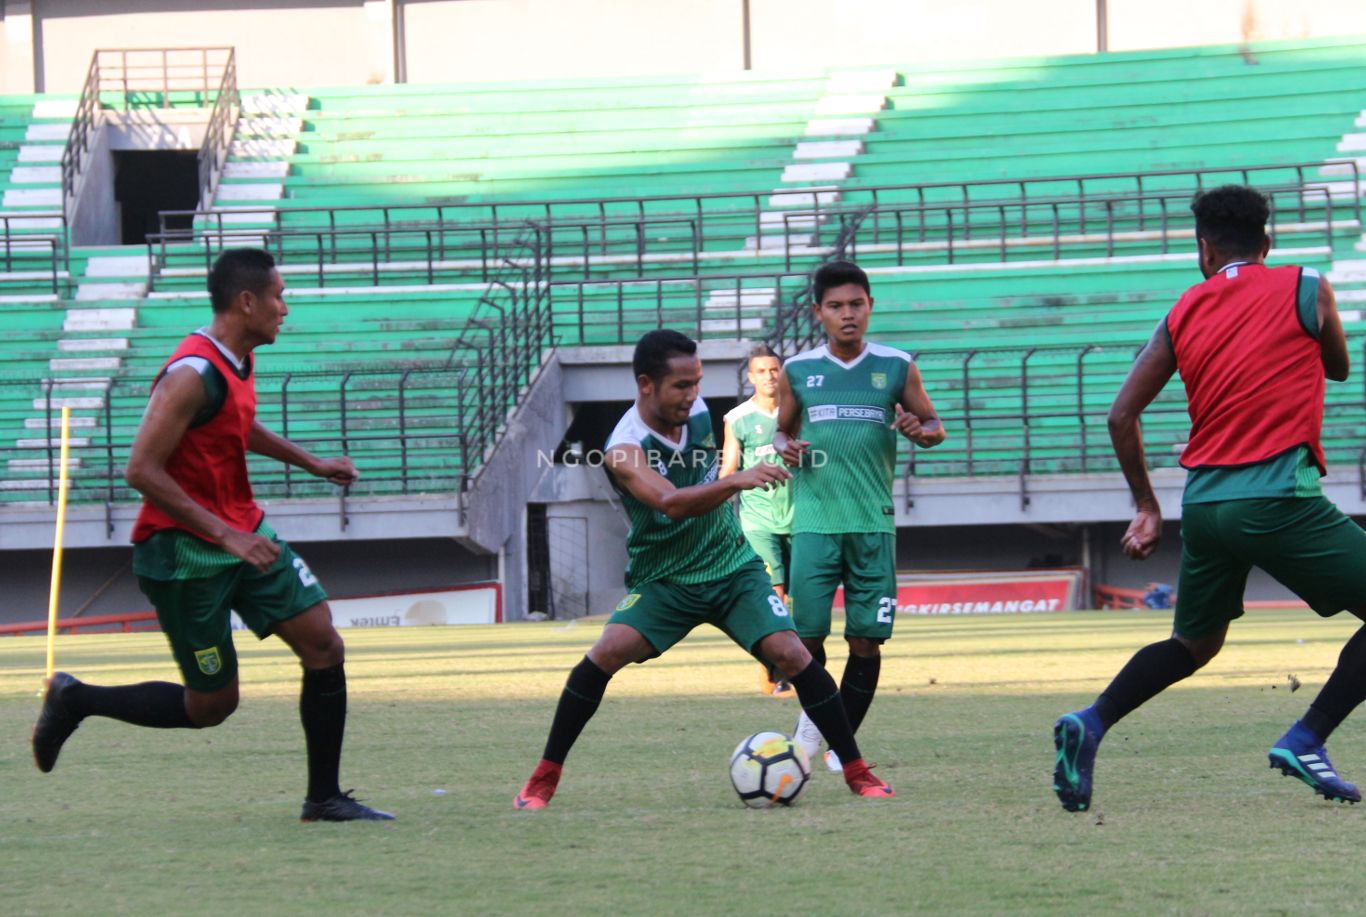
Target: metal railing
1050 228
1026 411
512 334
123 79
28 263
619 311
154 77
1151 221
83 126
426 427
428 252
795 327
36 224
1090 186
344 256
753 205
340 412
213 152
527 311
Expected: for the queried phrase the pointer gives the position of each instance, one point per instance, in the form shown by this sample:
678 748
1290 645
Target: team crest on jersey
709 441
209 661
627 602
879 380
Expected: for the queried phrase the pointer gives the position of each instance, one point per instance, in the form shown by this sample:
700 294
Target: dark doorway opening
538 560
147 182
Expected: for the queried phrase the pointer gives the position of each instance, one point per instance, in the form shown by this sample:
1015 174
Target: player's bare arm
1153 369
730 453
1337 365
915 415
175 401
785 441
632 470
262 441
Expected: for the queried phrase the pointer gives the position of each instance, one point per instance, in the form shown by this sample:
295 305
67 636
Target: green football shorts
193 613
742 605
775 550
865 562
1306 544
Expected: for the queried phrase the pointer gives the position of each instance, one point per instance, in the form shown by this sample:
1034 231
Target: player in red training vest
1253 345
202 546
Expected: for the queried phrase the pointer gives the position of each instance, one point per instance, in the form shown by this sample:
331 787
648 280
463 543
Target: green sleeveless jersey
753 428
693 550
844 484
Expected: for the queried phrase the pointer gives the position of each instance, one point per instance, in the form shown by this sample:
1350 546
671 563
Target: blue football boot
1076 736
1300 753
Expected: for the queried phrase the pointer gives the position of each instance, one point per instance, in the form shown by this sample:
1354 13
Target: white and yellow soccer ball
768 769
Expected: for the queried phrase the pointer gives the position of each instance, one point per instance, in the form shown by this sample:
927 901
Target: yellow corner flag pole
55 591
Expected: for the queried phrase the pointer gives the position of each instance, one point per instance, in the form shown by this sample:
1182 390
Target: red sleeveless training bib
1253 373
210 463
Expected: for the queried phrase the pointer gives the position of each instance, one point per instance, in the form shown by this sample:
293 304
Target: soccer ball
768 769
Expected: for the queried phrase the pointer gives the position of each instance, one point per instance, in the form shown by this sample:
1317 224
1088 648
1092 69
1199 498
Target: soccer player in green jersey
688 564
841 407
765 515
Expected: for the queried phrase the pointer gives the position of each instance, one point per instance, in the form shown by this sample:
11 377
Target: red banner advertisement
986 593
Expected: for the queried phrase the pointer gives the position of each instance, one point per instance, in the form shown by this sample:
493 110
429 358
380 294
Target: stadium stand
1025 222
33 132
1115 113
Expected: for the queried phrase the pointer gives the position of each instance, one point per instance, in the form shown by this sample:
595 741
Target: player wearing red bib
1253 345
202 546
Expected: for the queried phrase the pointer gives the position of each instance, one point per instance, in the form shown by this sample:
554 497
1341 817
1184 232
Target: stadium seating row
1030 327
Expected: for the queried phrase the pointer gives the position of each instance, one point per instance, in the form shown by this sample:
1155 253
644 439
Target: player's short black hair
760 350
1232 218
656 348
837 274
238 269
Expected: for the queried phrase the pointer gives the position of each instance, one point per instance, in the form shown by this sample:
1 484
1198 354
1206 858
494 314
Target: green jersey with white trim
693 550
844 484
753 428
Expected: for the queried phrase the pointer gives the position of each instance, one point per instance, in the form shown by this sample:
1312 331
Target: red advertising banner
988 593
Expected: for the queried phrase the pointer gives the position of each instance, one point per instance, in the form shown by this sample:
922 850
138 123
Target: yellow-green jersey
693 550
844 484
753 429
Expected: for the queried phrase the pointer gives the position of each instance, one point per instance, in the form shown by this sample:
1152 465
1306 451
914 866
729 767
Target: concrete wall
1136 24
850 33
301 43
293 43
16 48
459 40
96 215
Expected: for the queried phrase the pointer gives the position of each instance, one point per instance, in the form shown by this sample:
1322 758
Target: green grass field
446 723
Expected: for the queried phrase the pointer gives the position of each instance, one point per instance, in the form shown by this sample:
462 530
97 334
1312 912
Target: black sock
322 708
1343 692
157 704
857 686
1151 670
821 700
579 700
818 653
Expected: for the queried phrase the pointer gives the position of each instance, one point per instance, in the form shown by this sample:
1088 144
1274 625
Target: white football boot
807 736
